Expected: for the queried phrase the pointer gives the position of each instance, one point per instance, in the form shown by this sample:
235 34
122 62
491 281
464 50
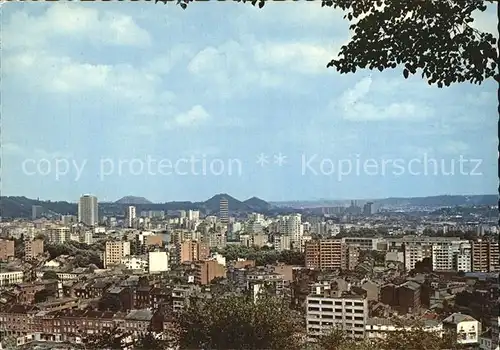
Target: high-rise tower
224 211
87 210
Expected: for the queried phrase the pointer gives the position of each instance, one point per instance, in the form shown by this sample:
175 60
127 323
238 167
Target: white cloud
229 63
305 58
260 64
356 106
13 149
9 148
74 21
455 147
194 117
164 63
124 84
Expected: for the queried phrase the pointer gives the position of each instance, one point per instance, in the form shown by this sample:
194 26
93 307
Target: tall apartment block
115 251
415 252
224 211
131 216
191 250
485 256
330 254
33 248
207 271
88 210
6 249
36 212
59 234
328 309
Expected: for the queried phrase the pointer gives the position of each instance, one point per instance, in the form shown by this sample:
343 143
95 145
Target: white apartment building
348 312
466 328
291 225
462 262
448 255
193 215
131 216
11 277
135 262
59 234
86 237
158 262
260 282
114 252
415 252
363 243
88 210
217 240
282 242
377 328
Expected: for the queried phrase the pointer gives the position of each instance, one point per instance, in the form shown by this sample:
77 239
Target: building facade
88 210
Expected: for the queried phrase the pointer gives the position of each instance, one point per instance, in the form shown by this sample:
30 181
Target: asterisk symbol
262 159
279 159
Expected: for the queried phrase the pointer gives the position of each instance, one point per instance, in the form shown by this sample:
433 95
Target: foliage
42 295
423 266
236 322
149 341
83 253
435 38
336 339
108 339
262 256
109 302
415 337
50 275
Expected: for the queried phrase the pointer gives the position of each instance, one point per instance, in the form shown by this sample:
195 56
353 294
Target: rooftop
458 317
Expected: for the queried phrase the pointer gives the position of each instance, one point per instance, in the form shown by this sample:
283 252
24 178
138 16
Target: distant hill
131 200
213 204
20 207
441 201
429 202
257 204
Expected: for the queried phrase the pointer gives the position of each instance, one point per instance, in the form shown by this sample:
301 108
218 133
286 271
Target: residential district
66 279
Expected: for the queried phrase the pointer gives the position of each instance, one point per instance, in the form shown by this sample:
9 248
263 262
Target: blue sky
93 85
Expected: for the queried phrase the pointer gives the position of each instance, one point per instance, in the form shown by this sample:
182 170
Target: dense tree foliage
262 256
42 295
415 337
434 38
236 322
50 275
108 339
84 254
109 302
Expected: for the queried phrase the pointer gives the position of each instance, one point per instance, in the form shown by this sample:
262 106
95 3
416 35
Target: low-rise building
346 311
465 328
11 277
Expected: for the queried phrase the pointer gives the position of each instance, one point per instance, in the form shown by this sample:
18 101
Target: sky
144 99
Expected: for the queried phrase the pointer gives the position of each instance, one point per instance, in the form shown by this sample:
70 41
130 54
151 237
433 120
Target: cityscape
366 266
249 175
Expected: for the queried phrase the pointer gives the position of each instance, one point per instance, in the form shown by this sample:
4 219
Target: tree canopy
434 38
236 322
